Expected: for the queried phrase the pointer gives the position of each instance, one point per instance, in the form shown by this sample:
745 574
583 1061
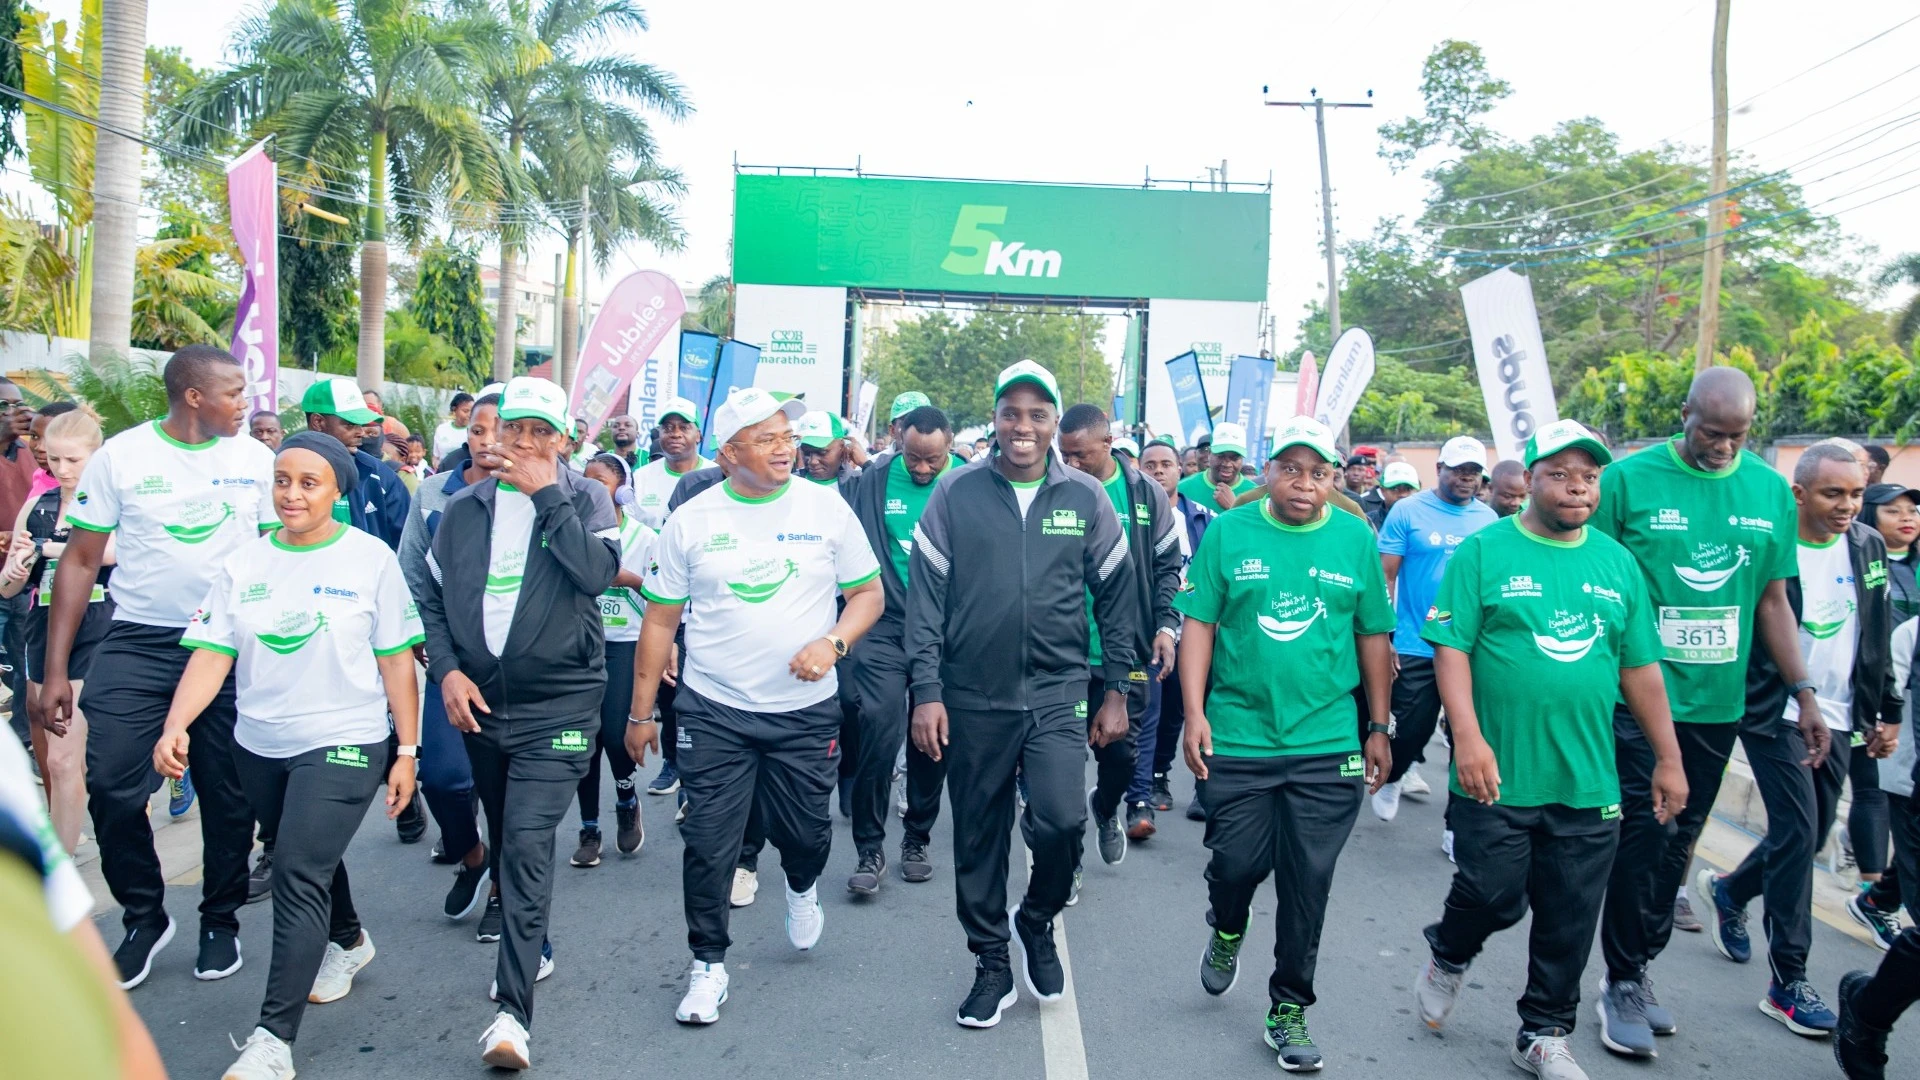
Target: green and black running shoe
1287 1033
1220 964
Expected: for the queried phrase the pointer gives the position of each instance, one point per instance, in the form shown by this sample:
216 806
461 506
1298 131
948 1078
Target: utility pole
1320 107
1717 208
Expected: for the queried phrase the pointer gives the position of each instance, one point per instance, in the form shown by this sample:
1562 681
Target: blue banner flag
738 362
1249 384
698 352
1191 397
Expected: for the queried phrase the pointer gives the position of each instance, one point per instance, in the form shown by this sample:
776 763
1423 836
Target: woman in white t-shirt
316 624
620 610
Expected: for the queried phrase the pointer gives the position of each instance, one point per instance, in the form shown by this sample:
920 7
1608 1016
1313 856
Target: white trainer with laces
1386 801
1413 784
805 917
1548 1057
706 992
262 1057
1446 843
1436 991
540 975
504 1045
338 968
746 883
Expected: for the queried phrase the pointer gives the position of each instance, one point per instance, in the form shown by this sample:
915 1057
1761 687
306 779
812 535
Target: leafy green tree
317 289
1904 270
1458 92
954 363
123 393
713 307
174 292
448 301
11 76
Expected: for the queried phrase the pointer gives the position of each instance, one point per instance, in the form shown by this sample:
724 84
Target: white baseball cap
748 406
1463 450
491 388
1125 445
1229 439
682 408
819 428
1301 431
1400 474
529 396
1029 372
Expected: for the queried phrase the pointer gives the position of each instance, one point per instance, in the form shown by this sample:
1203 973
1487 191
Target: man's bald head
1508 490
1722 391
1716 418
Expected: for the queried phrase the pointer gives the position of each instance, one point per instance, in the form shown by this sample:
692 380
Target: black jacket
554 664
1153 541
381 503
693 484
1874 695
866 492
997 616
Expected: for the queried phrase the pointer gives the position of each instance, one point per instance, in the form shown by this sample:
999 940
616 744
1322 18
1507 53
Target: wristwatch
839 645
1389 729
403 750
1804 684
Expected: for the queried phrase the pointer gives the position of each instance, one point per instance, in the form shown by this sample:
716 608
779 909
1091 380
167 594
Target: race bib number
1700 635
613 611
45 595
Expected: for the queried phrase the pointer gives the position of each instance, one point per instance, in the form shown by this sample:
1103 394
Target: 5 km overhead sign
1025 239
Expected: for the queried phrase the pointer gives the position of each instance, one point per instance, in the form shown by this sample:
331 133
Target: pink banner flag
256 232
1307 390
637 314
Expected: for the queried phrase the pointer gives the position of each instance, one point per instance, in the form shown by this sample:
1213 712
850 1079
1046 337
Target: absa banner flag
1511 358
636 314
1249 383
256 232
1349 370
738 363
1190 396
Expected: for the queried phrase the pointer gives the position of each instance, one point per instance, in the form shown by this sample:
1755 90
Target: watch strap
1380 729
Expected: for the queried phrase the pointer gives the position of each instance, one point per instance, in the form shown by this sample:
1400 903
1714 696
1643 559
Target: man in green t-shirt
1533 601
1219 483
1713 531
1283 585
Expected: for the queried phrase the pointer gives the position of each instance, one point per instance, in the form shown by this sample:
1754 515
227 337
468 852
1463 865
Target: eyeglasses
766 443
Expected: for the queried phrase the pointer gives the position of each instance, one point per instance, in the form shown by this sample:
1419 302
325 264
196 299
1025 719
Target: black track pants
614 707
1416 712
1114 762
879 674
1896 986
1780 866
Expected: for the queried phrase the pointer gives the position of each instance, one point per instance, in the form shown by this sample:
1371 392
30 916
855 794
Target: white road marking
1062 1046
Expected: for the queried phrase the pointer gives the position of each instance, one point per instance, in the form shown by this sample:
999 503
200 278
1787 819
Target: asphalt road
876 997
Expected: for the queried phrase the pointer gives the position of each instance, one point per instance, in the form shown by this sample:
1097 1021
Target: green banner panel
1018 239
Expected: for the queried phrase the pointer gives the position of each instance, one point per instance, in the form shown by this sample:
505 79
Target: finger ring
816 669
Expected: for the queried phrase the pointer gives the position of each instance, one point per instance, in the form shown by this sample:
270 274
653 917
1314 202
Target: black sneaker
1113 839
438 856
846 799
134 957
868 874
412 823
1161 796
1039 959
1220 964
465 894
1196 811
260 879
588 853
492 922
1860 1048
628 834
1139 821
1073 894
914 864
1287 1033
991 994
219 955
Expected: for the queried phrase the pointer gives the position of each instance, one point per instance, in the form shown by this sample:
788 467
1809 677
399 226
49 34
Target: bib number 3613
1700 635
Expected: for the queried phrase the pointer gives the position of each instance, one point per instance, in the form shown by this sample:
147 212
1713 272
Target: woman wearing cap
315 622
620 608
515 643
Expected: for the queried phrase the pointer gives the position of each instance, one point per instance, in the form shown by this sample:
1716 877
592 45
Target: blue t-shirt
1424 529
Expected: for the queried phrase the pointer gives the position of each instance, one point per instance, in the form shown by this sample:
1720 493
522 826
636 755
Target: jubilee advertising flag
635 316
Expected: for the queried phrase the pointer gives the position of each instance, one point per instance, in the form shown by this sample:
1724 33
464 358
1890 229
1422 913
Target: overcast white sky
1106 91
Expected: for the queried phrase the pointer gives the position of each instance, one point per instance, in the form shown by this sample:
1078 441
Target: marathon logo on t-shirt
896 507
153 485
1063 523
1250 570
721 542
1520 585
256 592
1667 520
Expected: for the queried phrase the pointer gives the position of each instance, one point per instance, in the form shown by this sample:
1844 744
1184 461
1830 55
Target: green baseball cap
819 428
1028 372
1560 435
906 403
337 397
1303 431
529 397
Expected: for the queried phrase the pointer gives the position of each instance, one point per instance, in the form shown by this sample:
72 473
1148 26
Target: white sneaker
805 917
706 992
263 1057
338 968
1436 991
1386 802
504 1045
1548 1057
540 975
1446 843
1412 784
745 884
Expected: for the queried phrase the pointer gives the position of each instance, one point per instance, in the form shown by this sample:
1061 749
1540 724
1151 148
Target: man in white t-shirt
653 482
452 432
755 563
175 496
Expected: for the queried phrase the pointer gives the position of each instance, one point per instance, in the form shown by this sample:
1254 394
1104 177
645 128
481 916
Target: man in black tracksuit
1086 442
514 641
1003 559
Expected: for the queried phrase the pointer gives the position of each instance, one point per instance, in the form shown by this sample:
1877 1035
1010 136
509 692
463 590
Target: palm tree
169 279
356 92
123 73
60 150
1904 270
568 119
713 305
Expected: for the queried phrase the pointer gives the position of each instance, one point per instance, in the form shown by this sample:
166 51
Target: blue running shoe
180 794
667 781
1726 924
1798 1006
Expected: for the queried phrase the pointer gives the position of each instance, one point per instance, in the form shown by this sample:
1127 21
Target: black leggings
1868 823
614 706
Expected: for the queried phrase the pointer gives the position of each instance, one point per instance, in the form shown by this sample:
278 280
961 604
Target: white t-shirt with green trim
1829 613
303 625
653 485
762 576
179 510
513 517
620 606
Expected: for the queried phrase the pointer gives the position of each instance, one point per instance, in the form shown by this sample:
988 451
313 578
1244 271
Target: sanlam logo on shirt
1449 540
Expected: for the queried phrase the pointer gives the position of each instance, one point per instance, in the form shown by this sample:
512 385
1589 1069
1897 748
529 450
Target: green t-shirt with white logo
1199 488
1707 545
1548 625
906 501
1286 602
1116 486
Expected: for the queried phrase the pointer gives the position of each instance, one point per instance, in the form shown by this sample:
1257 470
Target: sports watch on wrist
1804 684
839 645
1389 729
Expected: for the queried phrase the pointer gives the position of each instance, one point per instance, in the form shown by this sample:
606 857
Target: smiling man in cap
653 482
1284 584
1541 600
755 565
825 450
1222 457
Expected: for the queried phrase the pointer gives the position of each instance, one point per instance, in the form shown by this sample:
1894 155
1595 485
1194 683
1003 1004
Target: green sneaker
1287 1033
1220 964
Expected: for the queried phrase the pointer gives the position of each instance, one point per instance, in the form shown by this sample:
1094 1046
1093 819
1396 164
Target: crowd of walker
247 617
